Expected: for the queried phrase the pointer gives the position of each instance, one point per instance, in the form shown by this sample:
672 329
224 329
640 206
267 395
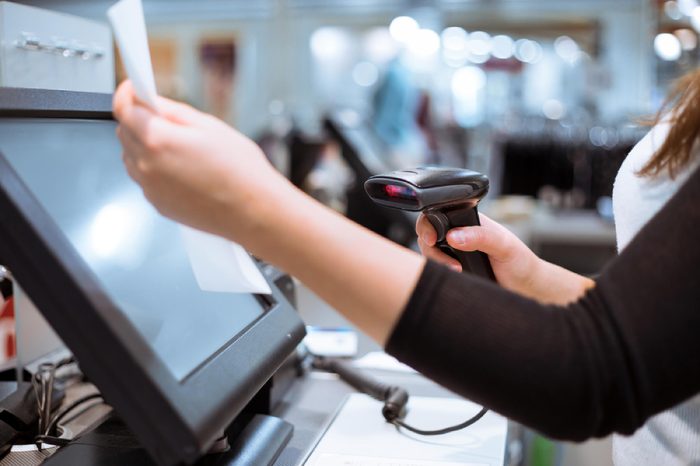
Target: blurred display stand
365 154
567 163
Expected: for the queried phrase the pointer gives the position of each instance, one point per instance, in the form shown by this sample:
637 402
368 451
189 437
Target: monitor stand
112 444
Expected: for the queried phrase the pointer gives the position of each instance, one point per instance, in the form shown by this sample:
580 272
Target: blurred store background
545 96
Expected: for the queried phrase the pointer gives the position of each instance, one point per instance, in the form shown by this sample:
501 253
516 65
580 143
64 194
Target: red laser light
400 192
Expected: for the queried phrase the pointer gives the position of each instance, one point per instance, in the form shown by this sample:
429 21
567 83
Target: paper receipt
129 26
218 265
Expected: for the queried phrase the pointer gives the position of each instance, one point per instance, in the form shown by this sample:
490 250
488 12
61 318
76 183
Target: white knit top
671 437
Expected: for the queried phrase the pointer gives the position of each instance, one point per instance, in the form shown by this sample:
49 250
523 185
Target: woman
621 349
649 177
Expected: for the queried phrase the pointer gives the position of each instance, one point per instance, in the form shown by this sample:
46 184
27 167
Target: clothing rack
582 160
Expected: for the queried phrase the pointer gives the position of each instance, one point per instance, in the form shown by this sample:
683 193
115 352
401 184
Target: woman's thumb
483 238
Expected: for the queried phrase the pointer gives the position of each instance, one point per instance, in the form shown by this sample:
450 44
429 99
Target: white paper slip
222 266
126 18
382 361
359 436
334 342
342 460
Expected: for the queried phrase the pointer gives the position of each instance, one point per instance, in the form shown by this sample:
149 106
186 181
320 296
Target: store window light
686 7
480 43
424 43
667 47
365 74
379 45
553 109
567 49
455 58
687 38
403 28
503 47
467 87
467 80
328 43
672 10
479 59
528 51
695 18
454 46
454 39
479 47
597 136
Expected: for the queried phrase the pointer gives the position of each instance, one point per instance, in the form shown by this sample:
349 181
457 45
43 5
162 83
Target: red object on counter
8 312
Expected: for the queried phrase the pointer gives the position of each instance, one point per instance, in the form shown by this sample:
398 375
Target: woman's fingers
131 168
425 231
145 125
178 112
123 99
132 146
490 238
433 253
427 237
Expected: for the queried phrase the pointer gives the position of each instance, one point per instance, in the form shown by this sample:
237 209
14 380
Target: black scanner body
448 197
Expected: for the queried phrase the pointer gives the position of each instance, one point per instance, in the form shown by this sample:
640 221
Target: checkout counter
190 376
245 400
313 399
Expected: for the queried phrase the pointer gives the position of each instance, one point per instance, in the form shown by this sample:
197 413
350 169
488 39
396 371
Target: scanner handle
475 262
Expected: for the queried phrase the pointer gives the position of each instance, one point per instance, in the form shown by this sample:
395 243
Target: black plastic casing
434 188
448 197
175 420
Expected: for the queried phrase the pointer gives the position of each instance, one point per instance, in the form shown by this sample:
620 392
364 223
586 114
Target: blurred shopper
395 109
571 357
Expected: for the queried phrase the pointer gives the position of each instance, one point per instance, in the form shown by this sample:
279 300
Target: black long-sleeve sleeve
628 349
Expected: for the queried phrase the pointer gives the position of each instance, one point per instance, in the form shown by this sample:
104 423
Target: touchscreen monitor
114 279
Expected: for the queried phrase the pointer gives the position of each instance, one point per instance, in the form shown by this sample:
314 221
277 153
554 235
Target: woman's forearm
366 277
516 267
625 351
197 170
372 285
552 284
599 361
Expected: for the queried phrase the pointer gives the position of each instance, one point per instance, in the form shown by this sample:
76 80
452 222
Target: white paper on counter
222 266
331 342
382 361
129 26
330 459
359 435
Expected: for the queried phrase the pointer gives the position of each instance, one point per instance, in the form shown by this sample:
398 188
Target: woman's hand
197 170
193 167
511 260
516 267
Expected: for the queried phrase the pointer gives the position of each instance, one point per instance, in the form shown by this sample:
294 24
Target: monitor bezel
176 421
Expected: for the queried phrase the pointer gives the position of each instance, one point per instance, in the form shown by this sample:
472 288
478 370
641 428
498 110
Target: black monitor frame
397 225
176 421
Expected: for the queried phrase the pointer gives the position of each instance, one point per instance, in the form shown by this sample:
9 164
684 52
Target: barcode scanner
448 197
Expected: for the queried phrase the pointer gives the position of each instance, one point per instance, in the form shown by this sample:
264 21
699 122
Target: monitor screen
114 280
76 173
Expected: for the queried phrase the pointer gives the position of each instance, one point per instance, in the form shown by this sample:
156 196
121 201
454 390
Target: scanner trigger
440 222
